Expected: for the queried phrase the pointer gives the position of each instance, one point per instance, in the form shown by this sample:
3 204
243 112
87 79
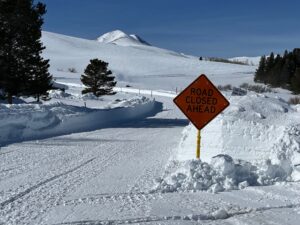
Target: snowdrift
253 128
32 121
262 133
222 174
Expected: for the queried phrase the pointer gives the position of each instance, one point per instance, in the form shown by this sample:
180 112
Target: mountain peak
119 37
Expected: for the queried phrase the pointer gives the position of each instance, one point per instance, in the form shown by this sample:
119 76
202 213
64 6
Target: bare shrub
226 87
217 59
256 88
72 70
294 100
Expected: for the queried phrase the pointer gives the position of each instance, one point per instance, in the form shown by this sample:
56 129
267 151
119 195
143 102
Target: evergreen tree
276 80
295 81
97 79
20 48
296 53
40 80
280 71
260 70
270 61
9 79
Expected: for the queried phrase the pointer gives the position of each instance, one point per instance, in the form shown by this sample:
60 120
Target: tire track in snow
55 197
200 217
4 153
100 198
28 190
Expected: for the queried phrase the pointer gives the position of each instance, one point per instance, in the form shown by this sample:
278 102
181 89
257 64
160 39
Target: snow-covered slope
247 60
141 66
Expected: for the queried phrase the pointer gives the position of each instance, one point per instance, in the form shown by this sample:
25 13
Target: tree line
280 71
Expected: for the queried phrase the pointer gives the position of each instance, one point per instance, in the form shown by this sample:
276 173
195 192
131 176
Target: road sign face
201 102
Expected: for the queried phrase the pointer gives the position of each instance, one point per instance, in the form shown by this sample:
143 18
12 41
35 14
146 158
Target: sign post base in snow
201 102
198 144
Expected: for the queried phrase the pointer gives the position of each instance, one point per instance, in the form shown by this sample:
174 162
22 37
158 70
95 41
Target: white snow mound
223 173
262 132
254 128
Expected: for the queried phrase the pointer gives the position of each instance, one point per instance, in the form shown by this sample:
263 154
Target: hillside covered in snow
135 63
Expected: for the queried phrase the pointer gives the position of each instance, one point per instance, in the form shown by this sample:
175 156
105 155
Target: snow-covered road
105 177
36 176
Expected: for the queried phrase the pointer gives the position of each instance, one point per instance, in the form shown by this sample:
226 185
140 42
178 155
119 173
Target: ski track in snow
27 191
64 182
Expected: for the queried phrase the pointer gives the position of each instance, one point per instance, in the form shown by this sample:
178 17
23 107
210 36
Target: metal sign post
198 144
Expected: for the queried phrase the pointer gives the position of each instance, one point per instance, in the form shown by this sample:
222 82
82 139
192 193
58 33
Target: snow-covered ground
129 158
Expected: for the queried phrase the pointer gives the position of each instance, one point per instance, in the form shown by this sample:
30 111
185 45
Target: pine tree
260 70
40 80
295 81
97 79
9 78
20 48
270 62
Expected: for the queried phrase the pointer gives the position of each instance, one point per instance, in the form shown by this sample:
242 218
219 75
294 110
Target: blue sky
222 28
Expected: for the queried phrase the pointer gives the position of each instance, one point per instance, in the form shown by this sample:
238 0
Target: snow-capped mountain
118 37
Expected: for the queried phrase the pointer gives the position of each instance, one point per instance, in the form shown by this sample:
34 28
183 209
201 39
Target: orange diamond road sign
201 102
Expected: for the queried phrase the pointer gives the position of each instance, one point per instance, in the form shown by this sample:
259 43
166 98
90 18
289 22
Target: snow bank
59 94
59 86
263 133
253 128
33 121
223 173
